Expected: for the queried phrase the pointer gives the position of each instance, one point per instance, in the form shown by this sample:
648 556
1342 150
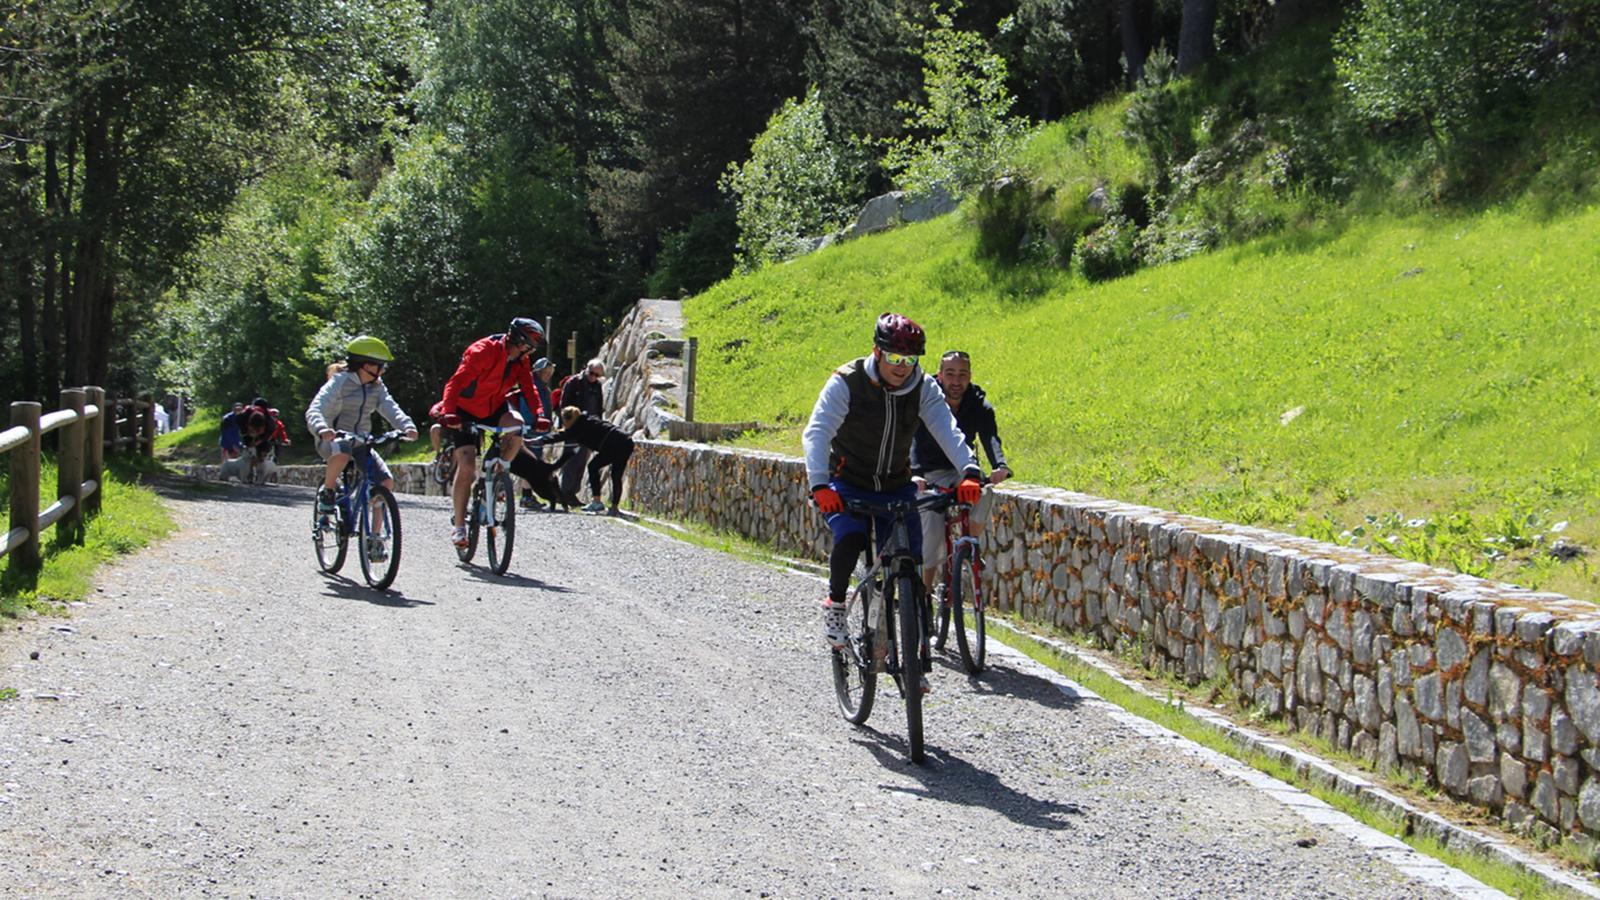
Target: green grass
1445 368
131 517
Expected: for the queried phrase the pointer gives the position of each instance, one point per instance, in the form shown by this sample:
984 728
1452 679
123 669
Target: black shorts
451 438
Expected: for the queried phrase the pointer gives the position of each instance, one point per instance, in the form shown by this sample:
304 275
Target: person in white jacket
346 403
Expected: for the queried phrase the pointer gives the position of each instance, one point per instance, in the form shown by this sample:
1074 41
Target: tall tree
1196 41
146 117
697 80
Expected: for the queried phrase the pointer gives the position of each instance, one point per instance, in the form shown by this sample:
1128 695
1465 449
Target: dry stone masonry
1487 690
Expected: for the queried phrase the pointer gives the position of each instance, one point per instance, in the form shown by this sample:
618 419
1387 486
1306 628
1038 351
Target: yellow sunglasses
896 359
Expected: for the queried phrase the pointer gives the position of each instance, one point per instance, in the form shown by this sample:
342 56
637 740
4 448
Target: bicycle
876 642
961 585
497 515
359 500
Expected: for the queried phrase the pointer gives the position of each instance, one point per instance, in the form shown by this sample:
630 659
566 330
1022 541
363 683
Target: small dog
237 468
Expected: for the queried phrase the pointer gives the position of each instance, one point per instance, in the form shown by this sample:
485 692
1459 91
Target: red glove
827 500
969 491
541 424
450 420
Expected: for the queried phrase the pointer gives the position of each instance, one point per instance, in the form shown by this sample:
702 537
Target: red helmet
898 334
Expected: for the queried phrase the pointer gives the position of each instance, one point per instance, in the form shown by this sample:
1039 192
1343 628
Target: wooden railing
80 455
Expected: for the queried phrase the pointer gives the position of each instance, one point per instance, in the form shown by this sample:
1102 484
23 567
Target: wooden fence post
691 358
129 427
25 486
69 468
94 451
147 424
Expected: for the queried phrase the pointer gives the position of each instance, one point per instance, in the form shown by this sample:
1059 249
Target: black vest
873 447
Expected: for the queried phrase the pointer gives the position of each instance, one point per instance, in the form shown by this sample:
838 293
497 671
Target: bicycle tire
965 592
911 635
474 514
941 598
855 681
328 541
381 503
503 512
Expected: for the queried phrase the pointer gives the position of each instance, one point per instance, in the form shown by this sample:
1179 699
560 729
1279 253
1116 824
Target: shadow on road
951 779
346 589
228 492
1001 681
477 573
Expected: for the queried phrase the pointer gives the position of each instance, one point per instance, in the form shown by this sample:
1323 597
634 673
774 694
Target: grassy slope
1447 368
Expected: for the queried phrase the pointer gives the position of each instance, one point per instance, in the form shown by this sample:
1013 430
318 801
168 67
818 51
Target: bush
970 141
1106 252
1006 214
1158 119
796 183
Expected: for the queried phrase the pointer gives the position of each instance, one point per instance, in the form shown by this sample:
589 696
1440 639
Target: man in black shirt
975 417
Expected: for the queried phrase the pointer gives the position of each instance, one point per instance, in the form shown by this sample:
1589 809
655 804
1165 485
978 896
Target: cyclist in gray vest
858 447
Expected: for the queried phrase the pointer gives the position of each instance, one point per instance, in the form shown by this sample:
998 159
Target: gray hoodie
345 404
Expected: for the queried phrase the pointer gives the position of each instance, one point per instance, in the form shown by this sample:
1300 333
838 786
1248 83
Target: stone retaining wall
1488 691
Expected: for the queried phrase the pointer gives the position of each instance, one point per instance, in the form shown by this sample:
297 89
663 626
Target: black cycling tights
842 562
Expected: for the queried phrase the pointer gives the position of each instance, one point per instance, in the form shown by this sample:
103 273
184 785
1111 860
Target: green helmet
367 348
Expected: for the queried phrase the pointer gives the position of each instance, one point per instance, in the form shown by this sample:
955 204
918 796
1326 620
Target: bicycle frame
891 558
358 496
492 462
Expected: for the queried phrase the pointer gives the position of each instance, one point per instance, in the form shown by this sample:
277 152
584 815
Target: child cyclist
346 403
858 447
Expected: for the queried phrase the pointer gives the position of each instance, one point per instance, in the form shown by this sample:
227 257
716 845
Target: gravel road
626 715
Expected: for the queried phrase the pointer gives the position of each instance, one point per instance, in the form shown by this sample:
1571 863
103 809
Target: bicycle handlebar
369 440
899 507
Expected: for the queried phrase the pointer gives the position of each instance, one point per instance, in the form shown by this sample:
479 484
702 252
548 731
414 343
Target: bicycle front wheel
909 598
380 539
855 681
966 599
474 519
328 540
502 523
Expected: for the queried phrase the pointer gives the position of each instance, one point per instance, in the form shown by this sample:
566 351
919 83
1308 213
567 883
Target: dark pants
614 454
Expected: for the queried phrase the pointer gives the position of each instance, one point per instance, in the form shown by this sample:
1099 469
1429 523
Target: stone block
1451 766
1451 649
1513 776
1566 772
1407 734
1583 701
1476 684
1479 737
1429 696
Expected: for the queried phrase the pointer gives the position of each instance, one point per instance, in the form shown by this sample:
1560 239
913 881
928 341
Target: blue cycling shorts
844 523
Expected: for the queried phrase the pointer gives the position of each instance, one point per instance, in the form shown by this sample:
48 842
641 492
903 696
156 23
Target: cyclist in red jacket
476 394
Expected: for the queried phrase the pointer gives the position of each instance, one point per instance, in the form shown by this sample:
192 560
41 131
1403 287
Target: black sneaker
326 501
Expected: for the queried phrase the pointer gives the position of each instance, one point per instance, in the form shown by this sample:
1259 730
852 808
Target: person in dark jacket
975 417
612 447
585 390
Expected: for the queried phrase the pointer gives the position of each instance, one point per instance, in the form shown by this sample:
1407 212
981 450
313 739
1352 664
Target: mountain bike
363 508
960 593
492 506
876 641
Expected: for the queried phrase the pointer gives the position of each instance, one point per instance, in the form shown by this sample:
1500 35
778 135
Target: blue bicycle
365 510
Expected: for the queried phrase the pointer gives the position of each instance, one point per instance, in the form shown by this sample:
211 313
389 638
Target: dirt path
628 715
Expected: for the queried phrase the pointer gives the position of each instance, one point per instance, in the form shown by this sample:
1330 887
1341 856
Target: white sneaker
835 630
458 535
377 550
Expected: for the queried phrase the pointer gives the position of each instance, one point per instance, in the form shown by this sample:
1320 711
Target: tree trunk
89 260
1196 44
1135 46
54 275
27 240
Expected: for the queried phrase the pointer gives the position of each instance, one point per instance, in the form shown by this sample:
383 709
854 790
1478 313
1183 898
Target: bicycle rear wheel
379 544
855 681
941 601
328 540
503 516
474 518
966 598
909 599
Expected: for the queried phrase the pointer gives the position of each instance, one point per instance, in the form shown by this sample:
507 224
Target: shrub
1107 251
797 182
1005 214
1158 117
969 139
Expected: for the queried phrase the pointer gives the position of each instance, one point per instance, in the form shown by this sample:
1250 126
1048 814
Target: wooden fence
80 455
